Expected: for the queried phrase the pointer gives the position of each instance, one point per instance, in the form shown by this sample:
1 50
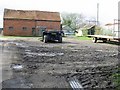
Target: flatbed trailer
104 38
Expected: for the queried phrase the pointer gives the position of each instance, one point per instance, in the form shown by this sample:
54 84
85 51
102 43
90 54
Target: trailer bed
104 38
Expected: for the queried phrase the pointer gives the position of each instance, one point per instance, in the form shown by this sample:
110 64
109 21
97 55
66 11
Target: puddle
17 67
113 55
21 45
99 50
45 54
27 50
105 51
60 54
16 44
75 50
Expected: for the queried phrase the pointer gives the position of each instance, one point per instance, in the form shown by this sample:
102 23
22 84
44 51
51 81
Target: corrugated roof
111 24
31 15
88 26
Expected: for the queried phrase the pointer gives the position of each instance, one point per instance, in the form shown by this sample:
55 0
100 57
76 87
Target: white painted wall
79 32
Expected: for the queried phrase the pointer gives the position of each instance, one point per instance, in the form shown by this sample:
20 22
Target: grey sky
108 8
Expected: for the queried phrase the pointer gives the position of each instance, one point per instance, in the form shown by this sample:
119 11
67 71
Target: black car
52 35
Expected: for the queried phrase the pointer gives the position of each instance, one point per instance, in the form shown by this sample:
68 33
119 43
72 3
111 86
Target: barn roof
31 15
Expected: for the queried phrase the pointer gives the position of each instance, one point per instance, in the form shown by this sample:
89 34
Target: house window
24 28
10 28
33 28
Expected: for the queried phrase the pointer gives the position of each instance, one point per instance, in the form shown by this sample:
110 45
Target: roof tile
31 14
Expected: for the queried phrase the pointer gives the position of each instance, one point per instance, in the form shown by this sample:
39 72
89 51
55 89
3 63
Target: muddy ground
30 63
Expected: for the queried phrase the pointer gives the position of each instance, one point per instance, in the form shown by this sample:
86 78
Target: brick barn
29 22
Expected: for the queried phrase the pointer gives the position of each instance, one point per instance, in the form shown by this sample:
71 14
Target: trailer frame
104 38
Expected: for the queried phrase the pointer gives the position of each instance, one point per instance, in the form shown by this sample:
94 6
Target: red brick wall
18 27
49 24
19 24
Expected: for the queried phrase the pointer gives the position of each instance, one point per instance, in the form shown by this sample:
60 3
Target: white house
79 32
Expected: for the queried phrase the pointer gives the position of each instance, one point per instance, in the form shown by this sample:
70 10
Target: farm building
86 30
79 32
113 28
29 22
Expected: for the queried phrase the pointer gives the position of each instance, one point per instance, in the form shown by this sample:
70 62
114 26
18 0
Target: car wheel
60 39
104 40
45 40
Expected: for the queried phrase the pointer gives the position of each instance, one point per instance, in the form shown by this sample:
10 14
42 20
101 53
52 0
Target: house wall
79 32
18 27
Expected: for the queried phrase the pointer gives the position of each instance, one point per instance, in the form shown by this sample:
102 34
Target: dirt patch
52 65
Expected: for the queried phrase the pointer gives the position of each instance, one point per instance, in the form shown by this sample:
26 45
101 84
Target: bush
85 32
116 78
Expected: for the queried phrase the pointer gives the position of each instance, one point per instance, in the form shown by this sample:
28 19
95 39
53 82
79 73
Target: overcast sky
108 9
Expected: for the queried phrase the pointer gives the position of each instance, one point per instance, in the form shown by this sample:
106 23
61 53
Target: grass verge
116 78
83 38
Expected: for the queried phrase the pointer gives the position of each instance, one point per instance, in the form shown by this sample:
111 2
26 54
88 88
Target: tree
72 20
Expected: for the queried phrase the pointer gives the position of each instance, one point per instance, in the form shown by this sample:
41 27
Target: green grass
83 38
116 78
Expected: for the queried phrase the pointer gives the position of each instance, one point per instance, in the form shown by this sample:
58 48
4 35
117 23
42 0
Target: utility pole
98 14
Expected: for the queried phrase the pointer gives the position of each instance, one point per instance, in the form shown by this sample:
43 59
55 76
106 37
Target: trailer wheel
94 39
45 40
104 40
60 39
119 40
